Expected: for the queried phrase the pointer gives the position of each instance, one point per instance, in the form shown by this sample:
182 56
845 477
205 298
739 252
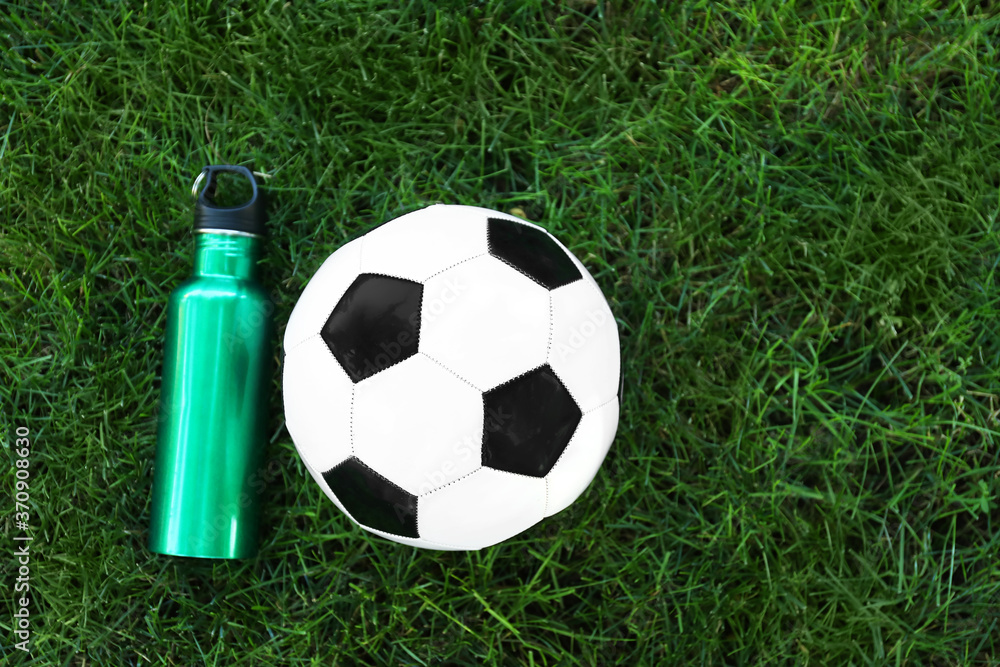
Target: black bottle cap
248 217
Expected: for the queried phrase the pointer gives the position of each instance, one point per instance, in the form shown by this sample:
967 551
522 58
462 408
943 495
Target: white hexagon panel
584 351
485 321
450 378
317 397
420 409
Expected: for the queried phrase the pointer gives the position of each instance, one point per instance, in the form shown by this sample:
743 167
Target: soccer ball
452 377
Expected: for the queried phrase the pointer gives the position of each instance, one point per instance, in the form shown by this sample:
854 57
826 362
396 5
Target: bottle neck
226 254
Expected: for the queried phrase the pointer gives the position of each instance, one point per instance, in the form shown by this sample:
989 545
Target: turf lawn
791 207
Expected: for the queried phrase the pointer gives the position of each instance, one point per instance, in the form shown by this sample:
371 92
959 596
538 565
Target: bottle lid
249 217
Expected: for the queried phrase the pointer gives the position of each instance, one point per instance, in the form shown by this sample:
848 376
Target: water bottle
208 479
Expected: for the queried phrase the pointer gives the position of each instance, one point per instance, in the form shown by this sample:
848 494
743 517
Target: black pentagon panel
375 324
532 252
528 423
373 500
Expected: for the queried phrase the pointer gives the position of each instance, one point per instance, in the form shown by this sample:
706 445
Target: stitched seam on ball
320 334
398 361
451 371
416 516
552 324
438 543
523 273
353 386
390 483
490 249
350 415
327 319
576 429
569 444
420 320
545 508
444 486
357 273
303 342
613 398
448 268
559 458
596 290
381 370
376 472
517 474
383 274
576 401
518 377
350 421
610 400
576 432
580 270
584 272
482 444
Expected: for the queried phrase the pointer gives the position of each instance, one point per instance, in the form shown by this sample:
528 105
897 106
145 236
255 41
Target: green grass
791 207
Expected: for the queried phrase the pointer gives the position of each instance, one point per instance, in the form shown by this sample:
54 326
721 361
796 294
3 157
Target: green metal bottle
209 479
